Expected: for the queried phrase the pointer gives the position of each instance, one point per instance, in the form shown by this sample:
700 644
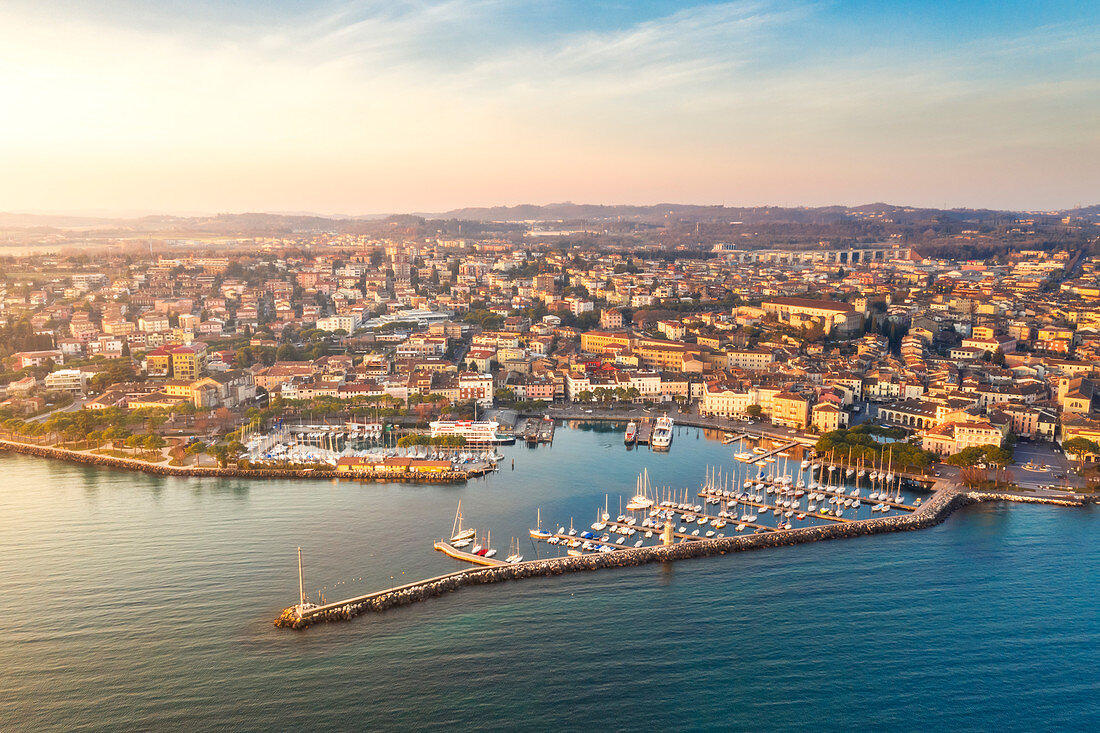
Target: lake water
144 602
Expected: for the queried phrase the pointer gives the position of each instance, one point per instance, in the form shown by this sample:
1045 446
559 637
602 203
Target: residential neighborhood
955 353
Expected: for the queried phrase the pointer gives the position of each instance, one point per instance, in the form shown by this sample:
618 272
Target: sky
369 106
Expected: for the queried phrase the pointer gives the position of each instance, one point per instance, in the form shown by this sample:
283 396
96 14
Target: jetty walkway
768 454
949 496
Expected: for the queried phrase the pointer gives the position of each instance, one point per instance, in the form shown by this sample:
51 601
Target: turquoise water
144 602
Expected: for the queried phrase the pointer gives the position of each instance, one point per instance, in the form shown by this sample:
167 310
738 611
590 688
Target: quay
948 497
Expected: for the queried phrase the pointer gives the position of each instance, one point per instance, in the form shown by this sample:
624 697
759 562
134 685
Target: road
75 405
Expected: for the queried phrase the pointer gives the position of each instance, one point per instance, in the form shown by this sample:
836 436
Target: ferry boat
484 431
631 433
662 433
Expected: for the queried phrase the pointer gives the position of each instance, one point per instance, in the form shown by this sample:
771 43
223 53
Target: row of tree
858 445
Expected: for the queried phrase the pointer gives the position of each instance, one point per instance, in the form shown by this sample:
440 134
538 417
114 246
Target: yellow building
596 341
393 465
188 361
790 409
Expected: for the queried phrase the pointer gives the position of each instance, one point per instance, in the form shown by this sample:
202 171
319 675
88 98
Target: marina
188 601
947 498
786 501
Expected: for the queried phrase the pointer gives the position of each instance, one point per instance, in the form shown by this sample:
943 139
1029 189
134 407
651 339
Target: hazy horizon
136 214
362 108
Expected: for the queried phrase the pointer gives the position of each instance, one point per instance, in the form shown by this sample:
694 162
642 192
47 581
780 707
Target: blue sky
368 106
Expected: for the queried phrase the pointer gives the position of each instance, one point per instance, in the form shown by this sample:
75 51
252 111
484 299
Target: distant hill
262 223
658 213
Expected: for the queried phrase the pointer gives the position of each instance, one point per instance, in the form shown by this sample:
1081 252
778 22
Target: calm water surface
143 602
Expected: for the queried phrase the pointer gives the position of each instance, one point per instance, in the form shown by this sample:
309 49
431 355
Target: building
953 437
66 380
790 409
751 359
227 389
828 417
611 318
24 359
390 465
832 314
726 400
340 322
477 387
188 361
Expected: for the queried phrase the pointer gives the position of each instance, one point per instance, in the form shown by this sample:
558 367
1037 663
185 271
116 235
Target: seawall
162 469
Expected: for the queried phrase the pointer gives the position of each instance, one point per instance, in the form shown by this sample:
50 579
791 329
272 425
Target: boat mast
301 583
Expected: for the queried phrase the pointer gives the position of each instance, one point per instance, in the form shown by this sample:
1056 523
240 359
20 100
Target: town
971 340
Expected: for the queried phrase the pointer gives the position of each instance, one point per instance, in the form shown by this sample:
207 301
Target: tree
153 442
1081 448
754 410
968 457
220 454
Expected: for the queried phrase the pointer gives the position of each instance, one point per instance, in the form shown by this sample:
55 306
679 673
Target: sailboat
457 533
538 532
641 499
513 549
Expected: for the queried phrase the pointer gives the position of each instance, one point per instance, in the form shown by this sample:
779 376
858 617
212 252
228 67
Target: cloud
411 104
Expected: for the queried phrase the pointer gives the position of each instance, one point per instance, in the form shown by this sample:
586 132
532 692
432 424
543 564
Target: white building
66 380
347 323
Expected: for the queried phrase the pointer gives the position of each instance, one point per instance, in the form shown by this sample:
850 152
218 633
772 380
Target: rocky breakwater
1067 499
942 504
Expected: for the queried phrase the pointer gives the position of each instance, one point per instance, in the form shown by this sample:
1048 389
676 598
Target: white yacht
662 433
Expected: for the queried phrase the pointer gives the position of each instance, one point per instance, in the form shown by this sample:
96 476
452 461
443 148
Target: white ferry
662 433
473 432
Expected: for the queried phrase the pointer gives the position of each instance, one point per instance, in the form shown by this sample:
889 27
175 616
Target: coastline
163 469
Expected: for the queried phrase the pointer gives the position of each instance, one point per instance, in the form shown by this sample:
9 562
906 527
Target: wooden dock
863 500
770 507
764 456
451 551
